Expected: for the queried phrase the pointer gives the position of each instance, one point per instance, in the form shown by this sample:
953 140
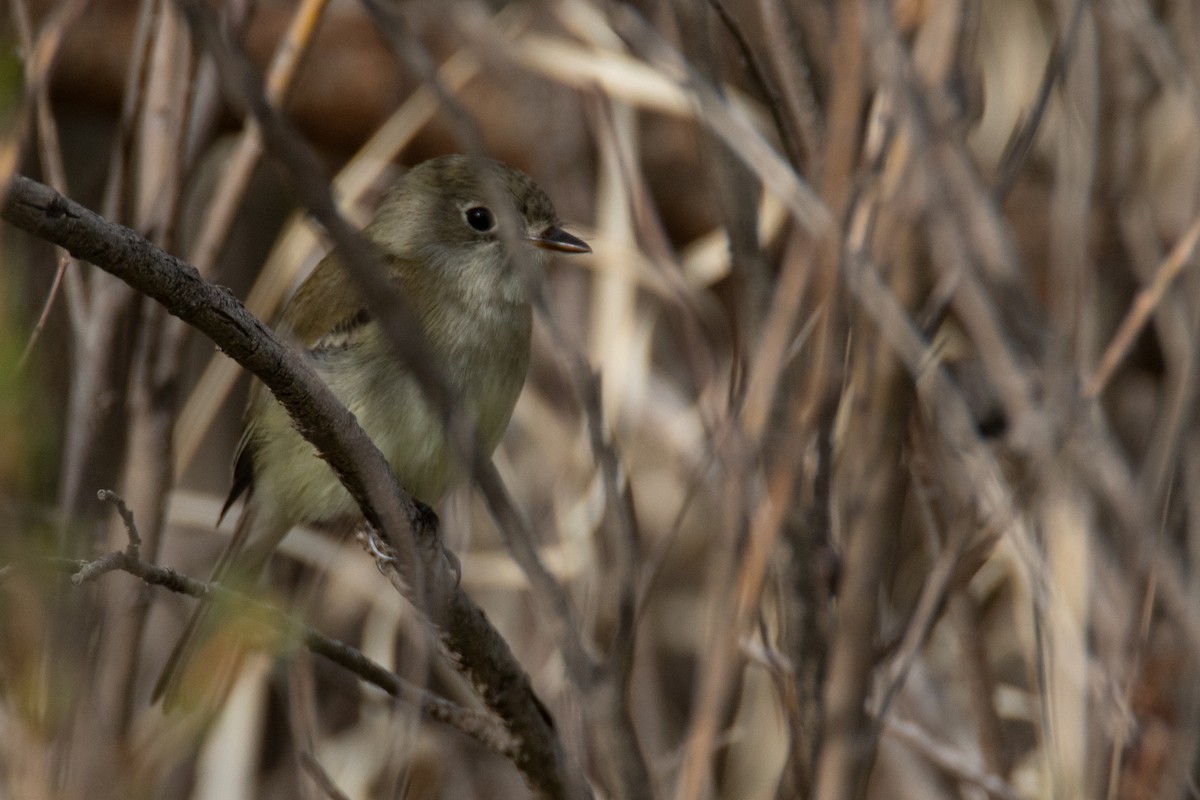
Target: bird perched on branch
444 243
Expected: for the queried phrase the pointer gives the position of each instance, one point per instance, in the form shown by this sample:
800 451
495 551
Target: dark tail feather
200 628
170 680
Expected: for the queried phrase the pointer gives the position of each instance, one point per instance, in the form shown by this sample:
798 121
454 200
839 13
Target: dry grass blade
39 65
1143 306
247 151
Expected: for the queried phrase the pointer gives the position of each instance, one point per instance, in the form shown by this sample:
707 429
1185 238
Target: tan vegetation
863 449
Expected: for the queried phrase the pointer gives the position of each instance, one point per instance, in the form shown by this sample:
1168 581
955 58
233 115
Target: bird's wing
332 303
336 314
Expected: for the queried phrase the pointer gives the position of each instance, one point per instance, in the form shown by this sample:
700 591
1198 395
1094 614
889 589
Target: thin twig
728 125
41 55
280 78
480 727
64 262
759 76
1143 306
1022 140
135 539
955 763
320 777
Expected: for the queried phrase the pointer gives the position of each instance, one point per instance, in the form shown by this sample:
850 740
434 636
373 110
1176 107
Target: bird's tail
206 656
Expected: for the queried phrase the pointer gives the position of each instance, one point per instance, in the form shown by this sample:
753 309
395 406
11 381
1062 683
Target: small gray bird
442 244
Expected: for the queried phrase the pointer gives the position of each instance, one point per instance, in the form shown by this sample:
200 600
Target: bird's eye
480 219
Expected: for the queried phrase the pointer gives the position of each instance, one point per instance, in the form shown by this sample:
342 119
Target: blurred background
890 482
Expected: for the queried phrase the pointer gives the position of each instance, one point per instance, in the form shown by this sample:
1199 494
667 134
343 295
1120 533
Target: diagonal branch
474 724
478 649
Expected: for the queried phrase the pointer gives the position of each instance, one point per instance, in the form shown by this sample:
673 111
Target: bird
444 245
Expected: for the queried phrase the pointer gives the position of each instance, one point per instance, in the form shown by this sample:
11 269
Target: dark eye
480 219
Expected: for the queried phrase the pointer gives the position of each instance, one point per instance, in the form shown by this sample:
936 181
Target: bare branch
479 727
478 648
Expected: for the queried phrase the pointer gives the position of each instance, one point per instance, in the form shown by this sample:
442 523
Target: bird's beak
555 238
